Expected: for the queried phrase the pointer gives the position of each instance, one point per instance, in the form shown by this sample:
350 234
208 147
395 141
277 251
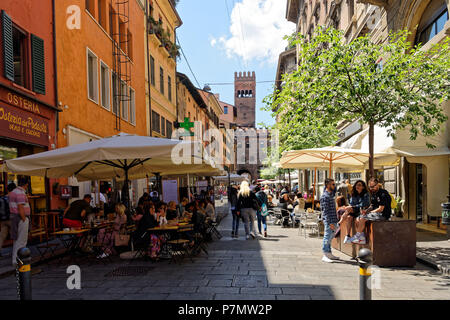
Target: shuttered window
38 64
8 55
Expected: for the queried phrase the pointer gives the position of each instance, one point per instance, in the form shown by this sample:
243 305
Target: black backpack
4 209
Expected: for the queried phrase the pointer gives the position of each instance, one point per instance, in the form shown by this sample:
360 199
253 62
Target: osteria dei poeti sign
22 125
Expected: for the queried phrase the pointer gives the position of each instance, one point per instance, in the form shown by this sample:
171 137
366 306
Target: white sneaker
326 259
330 256
247 237
253 235
360 239
356 237
348 239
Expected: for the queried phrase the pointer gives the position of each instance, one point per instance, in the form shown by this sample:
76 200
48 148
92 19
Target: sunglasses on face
372 187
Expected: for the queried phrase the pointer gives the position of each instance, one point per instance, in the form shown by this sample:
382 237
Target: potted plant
398 212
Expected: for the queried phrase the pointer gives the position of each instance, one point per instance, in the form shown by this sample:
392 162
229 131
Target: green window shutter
8 53
38 64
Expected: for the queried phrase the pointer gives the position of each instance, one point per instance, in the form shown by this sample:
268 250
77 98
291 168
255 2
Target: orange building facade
101 71
28 104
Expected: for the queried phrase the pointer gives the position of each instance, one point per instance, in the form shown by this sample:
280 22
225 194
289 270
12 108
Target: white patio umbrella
123 156
327 158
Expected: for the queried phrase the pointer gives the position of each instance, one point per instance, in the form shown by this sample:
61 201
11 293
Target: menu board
170 190
37 185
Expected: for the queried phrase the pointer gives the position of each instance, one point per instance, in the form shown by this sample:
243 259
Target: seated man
379 210
77 212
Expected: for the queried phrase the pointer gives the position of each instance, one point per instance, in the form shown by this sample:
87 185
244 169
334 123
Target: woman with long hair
359 201
246 206
108 238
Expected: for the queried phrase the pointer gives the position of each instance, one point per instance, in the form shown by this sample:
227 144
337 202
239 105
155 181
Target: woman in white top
209 210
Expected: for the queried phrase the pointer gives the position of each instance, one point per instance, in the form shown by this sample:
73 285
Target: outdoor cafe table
72 242
166 231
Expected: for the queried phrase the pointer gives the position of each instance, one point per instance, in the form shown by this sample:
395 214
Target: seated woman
210 211
359 201
182 206
161 215
108 239
172 212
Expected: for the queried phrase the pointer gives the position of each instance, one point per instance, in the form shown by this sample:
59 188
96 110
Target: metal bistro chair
276 216
310 221
179 247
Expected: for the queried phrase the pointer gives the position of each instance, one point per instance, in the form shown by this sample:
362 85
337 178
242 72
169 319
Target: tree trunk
371 149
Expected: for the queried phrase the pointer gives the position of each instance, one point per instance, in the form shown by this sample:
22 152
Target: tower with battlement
245 98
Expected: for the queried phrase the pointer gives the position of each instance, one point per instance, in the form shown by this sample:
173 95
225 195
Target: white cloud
257 30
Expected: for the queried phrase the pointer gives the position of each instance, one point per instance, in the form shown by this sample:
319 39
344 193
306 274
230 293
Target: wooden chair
40 221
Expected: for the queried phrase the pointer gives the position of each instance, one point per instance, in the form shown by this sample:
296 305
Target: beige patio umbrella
123 156
327 158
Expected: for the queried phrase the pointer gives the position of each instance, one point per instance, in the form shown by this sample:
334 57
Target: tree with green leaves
394 84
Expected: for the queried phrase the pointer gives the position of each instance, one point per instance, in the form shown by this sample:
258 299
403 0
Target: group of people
372 203
249 205
149 213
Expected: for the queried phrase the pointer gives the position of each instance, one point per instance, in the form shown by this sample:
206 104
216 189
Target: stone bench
393 243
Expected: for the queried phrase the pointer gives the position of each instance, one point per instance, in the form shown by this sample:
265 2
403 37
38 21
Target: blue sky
246 36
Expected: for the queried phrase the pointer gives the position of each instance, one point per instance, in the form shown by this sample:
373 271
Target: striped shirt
328 207
16 197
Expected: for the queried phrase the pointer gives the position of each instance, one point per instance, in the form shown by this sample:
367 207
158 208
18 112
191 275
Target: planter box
393 243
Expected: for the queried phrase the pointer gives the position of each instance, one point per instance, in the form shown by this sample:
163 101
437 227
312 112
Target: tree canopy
392 84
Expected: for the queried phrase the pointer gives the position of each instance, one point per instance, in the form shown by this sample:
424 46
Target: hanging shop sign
23 126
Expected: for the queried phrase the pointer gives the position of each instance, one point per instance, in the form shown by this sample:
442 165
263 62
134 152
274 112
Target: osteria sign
22 125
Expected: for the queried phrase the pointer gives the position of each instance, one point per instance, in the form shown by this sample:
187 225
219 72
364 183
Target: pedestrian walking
330 219
247 205
261 214
19 208
233 204
5 221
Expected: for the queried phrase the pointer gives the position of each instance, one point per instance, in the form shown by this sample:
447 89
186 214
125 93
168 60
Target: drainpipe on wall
148 68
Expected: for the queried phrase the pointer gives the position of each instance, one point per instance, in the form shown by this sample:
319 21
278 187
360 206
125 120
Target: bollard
364 261
24 267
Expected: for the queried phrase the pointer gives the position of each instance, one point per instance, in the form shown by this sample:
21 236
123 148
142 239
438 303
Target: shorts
72 223
374 216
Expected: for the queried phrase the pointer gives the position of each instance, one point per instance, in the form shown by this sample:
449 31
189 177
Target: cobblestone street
283 266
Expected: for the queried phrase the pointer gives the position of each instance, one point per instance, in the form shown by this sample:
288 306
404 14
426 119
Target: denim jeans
249 217
235 224
328 236
261 219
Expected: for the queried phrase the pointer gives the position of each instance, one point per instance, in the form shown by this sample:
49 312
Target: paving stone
293 297
306 291
218 290
250 281
168 290
241 297
192 296
167 283
220 283
261 290
143 296
194 283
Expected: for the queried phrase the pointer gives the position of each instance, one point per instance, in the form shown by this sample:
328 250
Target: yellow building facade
160 65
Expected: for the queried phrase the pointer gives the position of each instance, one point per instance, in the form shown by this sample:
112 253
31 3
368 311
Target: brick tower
245 103
245 99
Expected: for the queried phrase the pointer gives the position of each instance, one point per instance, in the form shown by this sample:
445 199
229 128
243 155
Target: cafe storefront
26 127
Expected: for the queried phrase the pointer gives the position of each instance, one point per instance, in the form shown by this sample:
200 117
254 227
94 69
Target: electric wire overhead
187 62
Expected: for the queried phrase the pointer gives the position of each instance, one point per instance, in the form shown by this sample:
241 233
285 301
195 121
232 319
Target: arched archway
245 172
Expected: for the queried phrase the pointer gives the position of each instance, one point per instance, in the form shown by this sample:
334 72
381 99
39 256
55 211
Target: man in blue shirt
330 219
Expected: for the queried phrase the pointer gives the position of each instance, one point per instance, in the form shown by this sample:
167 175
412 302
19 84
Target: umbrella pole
314 188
